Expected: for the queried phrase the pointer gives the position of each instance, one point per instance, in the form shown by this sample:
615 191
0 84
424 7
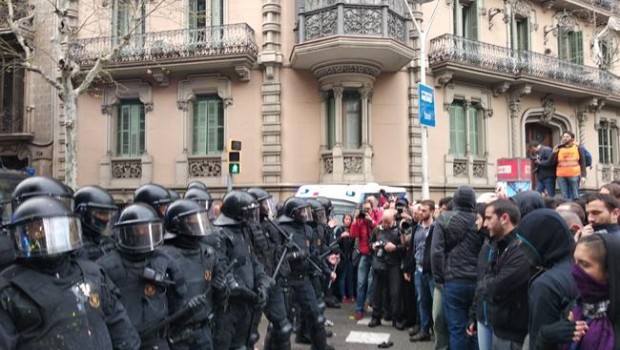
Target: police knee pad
254 337
284 328
320 319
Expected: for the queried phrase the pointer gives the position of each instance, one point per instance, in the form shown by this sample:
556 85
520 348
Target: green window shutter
471 21
212 127
601 146
523 34
563 47
122 135
200 127
473 134
353 120
192 17
216 12
135 128
614 145
578 48
220 125
457 129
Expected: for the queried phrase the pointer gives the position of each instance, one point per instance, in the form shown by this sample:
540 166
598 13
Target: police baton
289 240
185 310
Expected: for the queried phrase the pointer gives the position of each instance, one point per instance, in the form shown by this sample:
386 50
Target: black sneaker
421 336
398 325
414 330
374 322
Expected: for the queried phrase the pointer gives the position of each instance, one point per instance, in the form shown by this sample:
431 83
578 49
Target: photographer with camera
388 254
361 228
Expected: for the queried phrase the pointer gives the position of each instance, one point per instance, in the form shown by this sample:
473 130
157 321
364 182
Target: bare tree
69 80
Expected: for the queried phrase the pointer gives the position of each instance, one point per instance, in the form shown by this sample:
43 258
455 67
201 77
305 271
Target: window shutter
122 136
457 129
578 47
601 145
471 22
135 128
473 136
353 122
212 127
216 12
193 14
563 47
200 128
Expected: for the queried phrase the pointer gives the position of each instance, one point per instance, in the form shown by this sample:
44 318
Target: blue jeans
364 282
424 287
345 279
457 299
546 184
569 187
485 336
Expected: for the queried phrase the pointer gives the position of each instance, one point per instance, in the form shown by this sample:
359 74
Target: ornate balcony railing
520 64
608 5
378 18
231 39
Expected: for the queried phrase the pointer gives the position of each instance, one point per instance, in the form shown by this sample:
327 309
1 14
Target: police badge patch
149 290
94 300
208 275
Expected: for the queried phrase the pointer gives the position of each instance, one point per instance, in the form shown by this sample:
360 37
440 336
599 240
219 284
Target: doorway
542 133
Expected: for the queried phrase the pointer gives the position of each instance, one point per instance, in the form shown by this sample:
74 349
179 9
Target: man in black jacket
543 159
454 255
506 279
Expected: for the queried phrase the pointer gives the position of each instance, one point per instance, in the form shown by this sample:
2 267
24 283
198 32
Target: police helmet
42 186
154 195
327 204
139 229
188 218
197 184
174 195
237 207
44 227
97 209
265 202
318 211
203 198
295 209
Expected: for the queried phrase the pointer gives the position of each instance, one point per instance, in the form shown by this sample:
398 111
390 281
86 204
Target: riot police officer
202 197
248 282
154 195
202 269
296 213
151 283
50 300
98 213
42 186
268 241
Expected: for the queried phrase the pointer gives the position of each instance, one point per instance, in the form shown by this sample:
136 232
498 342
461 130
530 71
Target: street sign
426 101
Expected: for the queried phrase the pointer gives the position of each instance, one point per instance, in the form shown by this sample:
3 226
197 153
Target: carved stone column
270 59
338 158
514 103
364 93
324 124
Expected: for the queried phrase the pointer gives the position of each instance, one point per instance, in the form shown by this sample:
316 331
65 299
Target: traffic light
234 157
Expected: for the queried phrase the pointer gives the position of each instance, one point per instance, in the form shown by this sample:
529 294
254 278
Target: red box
514 169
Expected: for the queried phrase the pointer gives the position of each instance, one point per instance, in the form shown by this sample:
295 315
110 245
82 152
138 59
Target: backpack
588 156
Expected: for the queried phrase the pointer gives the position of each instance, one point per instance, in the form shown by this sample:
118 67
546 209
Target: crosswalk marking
364 321
367 337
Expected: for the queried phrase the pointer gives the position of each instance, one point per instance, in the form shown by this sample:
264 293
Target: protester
612 189
345 268
361 228
570 164
543 161
603 211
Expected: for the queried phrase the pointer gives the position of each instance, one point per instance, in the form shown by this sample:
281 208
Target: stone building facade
325 91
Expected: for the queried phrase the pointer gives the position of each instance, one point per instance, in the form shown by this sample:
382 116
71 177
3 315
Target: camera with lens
380 245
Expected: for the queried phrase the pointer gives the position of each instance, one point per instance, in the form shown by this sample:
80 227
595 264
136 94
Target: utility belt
191 330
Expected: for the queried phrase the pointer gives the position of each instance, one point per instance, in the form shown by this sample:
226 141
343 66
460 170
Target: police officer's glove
197 302
297 255
231 282
561 332
261 297
219 282
285 268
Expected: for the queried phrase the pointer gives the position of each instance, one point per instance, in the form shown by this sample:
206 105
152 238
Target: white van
348 198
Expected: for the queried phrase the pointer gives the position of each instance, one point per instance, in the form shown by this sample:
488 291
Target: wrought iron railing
609 5
231 39
450 48
352 17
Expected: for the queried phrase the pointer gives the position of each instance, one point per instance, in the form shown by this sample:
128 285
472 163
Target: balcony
218 47
469 60
602 8
373 35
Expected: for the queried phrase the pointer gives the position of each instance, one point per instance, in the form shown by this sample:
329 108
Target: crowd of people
527 272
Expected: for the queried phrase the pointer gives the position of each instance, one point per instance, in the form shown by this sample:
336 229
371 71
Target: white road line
367 337
364 321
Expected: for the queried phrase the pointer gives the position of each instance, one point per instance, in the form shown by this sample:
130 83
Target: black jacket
391 235
479 310
456 242
505 283
549 245
528 201
546 167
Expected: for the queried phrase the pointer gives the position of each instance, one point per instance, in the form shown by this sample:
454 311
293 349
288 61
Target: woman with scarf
594 321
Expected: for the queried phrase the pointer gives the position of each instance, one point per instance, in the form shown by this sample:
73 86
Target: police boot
269 338
319 340
282 336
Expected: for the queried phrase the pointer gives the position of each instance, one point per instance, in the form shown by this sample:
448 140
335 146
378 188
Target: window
607 144
130 129
521 39
127 15
208 125
570 46
608 52
351 120
11 97
205 13
465 130
466 20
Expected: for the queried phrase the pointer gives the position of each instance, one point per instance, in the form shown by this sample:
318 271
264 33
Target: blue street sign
426 101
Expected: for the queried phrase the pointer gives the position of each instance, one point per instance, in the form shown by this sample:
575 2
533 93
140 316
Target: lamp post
422 46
